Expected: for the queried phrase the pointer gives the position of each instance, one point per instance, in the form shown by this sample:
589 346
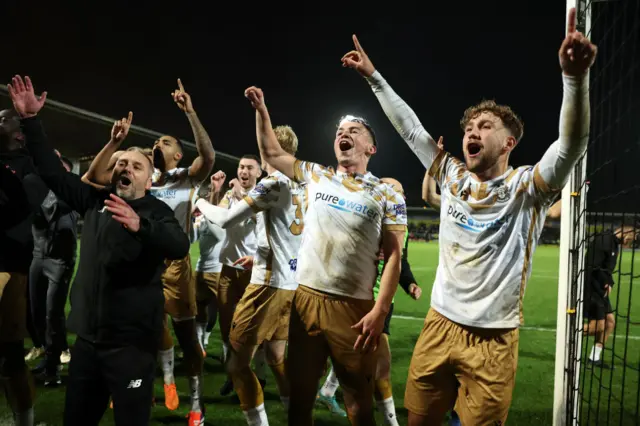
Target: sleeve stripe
394 228
253 204
435 171
540 184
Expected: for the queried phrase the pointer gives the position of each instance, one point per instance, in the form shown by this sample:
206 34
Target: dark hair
362 121
179 142
251 157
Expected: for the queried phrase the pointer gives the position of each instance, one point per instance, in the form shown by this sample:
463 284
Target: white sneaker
65 357
34 353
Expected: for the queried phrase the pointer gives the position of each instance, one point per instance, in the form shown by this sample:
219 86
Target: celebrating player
262 315
492 216
350 213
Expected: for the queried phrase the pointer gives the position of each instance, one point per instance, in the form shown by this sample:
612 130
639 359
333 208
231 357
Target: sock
285 402
206 338
388 411
330 386
166 360
24 418
260 364
256 416
225 351
200 326
195 387
596 351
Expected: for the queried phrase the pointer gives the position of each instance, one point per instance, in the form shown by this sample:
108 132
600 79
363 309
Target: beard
126 193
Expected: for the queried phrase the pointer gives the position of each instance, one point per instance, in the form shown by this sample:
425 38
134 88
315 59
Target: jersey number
297 225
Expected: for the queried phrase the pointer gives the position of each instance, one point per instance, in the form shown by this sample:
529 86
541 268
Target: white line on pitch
545 329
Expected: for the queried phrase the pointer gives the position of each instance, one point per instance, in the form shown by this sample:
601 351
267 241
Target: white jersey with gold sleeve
239 240
178 191
488 233
278 203
346 215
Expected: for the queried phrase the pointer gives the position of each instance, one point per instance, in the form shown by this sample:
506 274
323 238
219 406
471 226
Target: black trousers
48 289
96 372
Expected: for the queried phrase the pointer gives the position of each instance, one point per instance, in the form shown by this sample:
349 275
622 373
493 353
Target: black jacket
22 192
600 262
116 296
55 233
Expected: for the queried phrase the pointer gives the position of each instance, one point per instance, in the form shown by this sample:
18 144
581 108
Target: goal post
570 280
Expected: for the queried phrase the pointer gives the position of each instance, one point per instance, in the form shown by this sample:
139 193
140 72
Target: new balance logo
133 384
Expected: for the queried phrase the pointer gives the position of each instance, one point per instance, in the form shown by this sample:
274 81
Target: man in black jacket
22 192
54 255
600 262
116 299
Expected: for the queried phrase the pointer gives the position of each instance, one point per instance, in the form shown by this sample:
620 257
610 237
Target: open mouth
244 180
474 149
124 182
345 145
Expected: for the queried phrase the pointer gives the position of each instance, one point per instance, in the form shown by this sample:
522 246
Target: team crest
503 193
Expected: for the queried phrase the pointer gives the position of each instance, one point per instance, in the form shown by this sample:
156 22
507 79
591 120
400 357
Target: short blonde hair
509 118
287 138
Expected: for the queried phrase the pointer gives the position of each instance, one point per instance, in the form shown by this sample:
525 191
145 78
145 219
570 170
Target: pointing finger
571 25
357 44
180 85
130 117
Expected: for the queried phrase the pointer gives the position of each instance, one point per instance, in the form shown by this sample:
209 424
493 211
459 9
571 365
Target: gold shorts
261 315
320 327
13 306
207 287
179 289
472 367
231 287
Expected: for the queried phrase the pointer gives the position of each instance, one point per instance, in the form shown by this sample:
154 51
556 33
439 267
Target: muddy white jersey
488 234
178 191
240 240
346 215
278 203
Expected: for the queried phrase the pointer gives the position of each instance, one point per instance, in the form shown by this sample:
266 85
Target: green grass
533 395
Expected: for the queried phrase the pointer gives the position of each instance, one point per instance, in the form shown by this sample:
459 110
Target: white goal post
570 280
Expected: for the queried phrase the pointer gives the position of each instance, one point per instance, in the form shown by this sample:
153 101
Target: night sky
112 61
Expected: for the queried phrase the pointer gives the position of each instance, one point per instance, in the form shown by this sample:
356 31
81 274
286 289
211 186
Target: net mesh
603 385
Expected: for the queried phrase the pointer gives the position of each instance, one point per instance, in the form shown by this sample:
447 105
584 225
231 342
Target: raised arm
270 149
223 217
576 55
399 113
202 165
429 191
101 168
67 186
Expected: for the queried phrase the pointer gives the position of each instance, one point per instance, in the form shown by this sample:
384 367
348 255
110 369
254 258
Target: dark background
119 58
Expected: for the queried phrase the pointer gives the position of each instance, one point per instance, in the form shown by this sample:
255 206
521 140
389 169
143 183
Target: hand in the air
440 143
577 53
370 328
23 97
236 189
358 60
120 128
415 291
255 95
182 99
217 180
246 262
123 213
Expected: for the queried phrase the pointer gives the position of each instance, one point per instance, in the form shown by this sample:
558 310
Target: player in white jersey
491 217
262 315
208 268
239 246
349 214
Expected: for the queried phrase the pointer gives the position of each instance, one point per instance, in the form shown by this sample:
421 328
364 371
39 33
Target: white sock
225 351
285 402
330 385
195 387
166 360
200 327
596 351
260 364
256 416
25 418
388 411
206 338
